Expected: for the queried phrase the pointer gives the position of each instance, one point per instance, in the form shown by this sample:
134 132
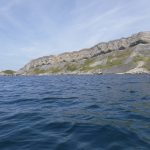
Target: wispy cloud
30 28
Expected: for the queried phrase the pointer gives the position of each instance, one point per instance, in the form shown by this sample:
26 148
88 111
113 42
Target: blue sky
35 28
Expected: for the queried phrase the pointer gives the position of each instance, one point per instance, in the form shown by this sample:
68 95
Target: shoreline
69 74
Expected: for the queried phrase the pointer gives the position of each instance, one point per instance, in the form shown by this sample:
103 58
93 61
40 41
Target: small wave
21 100
58 98
93 107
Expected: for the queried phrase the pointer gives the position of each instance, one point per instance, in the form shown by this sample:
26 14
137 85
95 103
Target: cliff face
126 55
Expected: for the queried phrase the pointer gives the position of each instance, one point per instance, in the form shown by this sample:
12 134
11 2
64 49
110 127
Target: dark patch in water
93 107
144 98
61 98
108 87
132 91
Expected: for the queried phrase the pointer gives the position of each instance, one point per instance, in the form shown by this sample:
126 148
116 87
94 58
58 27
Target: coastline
73 74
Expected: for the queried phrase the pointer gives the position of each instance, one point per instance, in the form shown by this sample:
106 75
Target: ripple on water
75 113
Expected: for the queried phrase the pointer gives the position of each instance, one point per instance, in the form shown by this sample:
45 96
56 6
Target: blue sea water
87 112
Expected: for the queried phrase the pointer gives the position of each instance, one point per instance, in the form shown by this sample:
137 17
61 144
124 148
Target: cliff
125 55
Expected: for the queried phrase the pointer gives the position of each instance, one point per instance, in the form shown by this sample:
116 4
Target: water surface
110 112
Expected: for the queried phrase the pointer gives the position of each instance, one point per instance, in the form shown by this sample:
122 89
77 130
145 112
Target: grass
86 65
39 71
71 67
42 71
147 66
124 54
146 60
116 59
54 70
114 62
141 58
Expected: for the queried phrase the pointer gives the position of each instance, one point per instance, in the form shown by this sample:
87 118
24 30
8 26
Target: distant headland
125 55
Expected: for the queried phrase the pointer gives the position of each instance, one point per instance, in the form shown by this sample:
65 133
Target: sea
75 112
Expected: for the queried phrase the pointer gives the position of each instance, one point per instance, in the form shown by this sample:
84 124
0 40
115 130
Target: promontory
125 55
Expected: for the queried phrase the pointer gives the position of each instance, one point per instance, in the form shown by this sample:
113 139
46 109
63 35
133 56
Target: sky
33 28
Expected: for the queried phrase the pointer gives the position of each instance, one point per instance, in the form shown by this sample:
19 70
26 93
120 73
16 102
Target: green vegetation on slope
86 66
71 67
116 58
38 71
113 59
146 60
54 70
141 58
42 71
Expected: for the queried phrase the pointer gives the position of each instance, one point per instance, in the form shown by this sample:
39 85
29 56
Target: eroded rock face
78 58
